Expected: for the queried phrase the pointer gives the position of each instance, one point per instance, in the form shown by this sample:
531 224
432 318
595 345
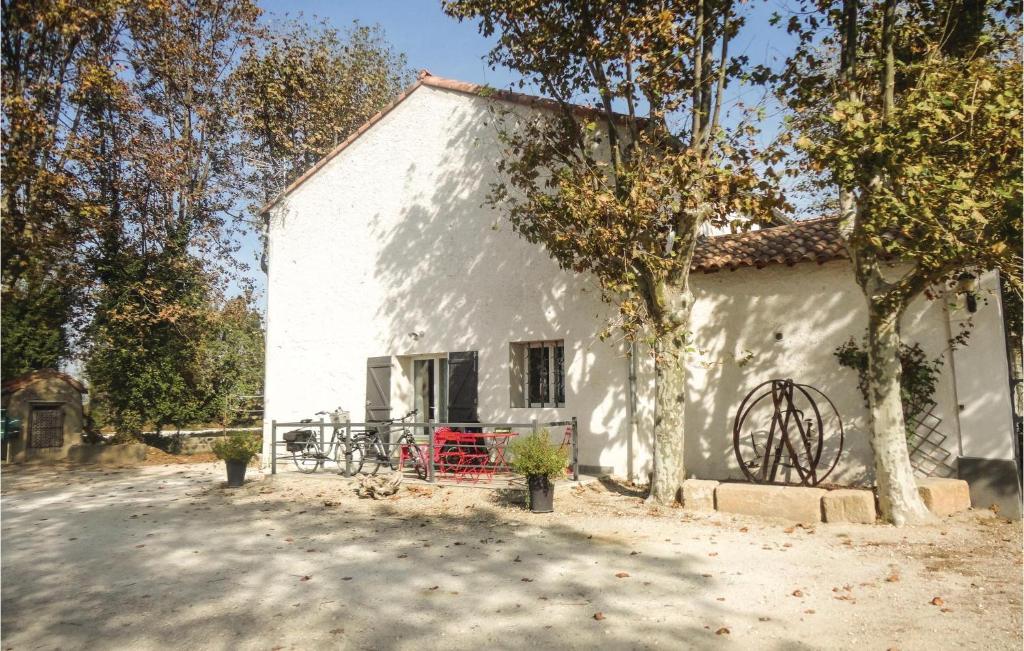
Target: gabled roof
22 381
811 240
427 79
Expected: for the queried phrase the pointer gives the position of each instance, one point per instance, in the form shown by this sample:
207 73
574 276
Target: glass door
430 386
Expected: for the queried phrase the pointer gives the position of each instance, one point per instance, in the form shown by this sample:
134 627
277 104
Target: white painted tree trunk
898 498
670 405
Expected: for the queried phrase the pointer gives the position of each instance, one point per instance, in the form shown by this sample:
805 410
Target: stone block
849 505
699 494
944 496
797 503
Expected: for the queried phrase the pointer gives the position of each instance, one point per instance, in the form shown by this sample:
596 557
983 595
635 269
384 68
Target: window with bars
537 376
46 427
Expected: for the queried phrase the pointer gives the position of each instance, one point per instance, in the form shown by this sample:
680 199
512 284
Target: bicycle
392 455
364 446
307 452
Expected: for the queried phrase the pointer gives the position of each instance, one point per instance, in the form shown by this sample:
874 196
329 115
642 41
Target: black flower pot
542 494
236 472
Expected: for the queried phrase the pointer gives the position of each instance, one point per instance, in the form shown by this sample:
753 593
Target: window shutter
378 389
462 387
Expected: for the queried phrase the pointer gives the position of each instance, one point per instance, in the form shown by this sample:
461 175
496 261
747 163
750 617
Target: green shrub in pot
540 461
237 449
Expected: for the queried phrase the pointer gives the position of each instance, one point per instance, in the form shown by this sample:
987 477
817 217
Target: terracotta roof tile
814 240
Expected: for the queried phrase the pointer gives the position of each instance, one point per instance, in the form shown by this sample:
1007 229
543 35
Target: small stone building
43 409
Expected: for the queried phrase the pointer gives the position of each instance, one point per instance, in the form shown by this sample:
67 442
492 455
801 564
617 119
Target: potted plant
536 458
237 449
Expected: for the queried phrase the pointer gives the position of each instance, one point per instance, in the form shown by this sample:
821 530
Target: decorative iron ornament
780 426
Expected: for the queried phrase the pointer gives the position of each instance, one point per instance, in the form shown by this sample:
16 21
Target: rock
797 503
699 494
944 496
849 505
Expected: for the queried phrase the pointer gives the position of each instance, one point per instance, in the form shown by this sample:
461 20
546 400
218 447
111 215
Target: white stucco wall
391 237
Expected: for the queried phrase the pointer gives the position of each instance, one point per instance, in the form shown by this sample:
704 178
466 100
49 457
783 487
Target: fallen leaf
798 593
622 575
526 580
306 578
937 601
722 631
598 615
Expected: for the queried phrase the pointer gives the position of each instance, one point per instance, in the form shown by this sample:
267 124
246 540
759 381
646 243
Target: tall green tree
913 112
623 197
233 358
303 90
58 58
169 179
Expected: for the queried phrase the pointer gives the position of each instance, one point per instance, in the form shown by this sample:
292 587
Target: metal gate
47 427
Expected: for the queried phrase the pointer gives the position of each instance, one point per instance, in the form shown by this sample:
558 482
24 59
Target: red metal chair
567 447
473 459
447 451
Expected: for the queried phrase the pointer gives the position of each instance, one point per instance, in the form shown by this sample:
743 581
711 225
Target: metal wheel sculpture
780 426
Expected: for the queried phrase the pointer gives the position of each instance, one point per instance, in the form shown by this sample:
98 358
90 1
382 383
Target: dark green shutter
462 387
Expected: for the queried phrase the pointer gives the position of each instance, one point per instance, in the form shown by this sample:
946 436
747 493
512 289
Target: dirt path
163 557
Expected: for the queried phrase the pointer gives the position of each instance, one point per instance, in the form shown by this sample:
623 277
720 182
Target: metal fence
470 452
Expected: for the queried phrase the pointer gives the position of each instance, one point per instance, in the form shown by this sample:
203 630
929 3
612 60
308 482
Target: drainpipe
633 422
951 360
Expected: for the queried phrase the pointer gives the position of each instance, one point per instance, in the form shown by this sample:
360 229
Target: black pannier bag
297 438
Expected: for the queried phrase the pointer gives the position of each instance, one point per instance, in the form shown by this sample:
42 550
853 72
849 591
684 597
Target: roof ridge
780 227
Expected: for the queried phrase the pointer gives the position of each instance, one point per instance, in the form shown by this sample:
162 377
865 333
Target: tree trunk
669 404
897 490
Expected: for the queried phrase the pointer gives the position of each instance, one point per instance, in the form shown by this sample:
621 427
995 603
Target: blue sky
448 48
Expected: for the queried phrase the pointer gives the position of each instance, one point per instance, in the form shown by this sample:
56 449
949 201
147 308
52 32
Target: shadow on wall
739 315
460 276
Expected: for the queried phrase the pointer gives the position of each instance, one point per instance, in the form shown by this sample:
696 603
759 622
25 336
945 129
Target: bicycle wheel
308 458
374 455
362 454
413 454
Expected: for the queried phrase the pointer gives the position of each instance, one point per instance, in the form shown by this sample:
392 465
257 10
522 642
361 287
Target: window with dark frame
538 374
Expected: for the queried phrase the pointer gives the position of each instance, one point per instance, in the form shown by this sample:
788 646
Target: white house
386 270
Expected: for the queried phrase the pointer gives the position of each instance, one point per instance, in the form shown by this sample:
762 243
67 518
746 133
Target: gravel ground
164 557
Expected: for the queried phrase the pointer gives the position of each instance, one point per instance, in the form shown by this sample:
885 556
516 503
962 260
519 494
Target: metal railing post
575 450
273 447
348 449
533 425
430 453
323 458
